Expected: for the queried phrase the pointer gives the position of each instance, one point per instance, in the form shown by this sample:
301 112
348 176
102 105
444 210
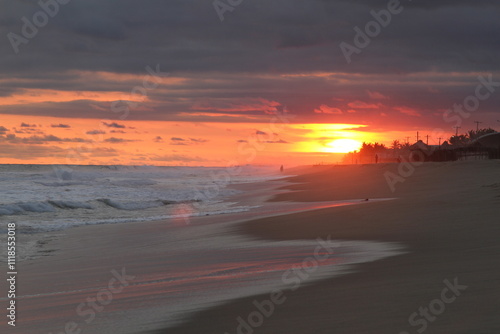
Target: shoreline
36 240
399 283
450 227
70 274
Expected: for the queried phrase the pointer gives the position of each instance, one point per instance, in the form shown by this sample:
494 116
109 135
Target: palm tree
396 145
481 132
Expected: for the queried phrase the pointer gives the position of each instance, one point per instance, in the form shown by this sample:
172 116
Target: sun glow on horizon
343 146
59 140
332 138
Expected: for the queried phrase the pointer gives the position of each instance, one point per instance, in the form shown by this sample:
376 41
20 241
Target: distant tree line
368 151
463 140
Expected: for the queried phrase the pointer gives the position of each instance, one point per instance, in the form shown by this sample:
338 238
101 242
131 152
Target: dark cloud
429 4
114 125
3 130
198 140
158 139
65 126
187 141
281 141
96 132
28 131
114 140
261 57
283 35
26 125
12 138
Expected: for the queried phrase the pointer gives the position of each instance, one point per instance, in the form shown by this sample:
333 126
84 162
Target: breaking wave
52 206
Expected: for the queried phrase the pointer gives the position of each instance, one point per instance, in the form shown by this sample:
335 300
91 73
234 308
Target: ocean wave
71 205
21 208
131 206
53 205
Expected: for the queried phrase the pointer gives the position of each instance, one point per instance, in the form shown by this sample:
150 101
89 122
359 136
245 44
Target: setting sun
343 146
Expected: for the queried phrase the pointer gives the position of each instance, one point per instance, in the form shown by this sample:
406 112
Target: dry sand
446 213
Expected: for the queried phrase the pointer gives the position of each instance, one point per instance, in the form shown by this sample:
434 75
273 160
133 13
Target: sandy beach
447 215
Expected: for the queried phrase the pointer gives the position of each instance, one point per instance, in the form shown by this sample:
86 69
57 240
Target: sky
211 83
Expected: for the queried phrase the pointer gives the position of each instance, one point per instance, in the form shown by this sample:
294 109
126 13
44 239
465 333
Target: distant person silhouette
376 158
281 168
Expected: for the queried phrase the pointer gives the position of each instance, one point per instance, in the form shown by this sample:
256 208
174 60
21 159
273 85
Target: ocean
48 198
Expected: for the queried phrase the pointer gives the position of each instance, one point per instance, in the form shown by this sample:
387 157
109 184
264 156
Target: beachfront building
484 147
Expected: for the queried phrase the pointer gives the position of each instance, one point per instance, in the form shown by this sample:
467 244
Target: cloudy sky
263 81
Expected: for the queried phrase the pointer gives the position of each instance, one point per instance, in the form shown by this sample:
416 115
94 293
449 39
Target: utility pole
456 133
427 139
407 140
417 136
440 141
477 125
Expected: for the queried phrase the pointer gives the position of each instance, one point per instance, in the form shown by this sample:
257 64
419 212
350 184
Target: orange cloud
324 109
134 79
363 105
377 96
408 111
230 105
29 96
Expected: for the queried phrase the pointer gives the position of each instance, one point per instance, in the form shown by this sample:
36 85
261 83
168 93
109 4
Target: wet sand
447 214
142 276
